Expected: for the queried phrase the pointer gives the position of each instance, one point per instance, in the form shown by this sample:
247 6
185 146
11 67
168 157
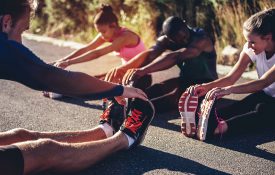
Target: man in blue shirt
27 152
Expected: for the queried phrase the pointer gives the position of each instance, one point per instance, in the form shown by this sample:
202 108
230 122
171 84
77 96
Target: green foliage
222 19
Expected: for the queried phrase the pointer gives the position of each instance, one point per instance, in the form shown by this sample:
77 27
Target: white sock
130 140
108 130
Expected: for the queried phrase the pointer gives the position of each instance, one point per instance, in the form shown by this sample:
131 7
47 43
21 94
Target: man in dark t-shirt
190 49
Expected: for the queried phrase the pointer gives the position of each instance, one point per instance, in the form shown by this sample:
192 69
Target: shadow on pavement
242 142
79 102
248 143
144 159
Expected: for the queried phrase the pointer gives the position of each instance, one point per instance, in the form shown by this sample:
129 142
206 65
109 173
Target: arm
98 41
248 87
117 44
255 85
227 80
169 60
233 75
145 57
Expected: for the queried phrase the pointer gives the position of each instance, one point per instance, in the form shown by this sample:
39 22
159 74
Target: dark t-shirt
18 63
202 67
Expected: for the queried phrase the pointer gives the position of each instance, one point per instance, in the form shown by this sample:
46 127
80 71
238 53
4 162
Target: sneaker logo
135 121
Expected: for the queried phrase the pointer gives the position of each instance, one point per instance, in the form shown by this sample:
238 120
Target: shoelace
105 114
134 121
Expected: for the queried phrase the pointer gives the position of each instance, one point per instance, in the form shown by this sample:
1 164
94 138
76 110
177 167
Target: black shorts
11 160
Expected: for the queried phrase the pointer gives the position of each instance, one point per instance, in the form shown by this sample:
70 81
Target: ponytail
105 15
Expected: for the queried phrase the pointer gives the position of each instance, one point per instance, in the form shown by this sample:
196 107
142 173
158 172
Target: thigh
163 88
165 95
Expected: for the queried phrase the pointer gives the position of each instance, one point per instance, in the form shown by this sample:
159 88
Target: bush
222 19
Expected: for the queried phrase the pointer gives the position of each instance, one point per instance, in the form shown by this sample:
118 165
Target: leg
251 113
20 135
46 154
165 95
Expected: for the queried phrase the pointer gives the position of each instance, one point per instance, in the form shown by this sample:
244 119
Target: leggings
254 112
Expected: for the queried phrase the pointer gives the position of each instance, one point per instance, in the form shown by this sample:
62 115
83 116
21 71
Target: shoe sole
205 110
187 108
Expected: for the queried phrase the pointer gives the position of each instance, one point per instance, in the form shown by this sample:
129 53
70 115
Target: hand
131 92
218 92
198 89
115 75
132 75
62 64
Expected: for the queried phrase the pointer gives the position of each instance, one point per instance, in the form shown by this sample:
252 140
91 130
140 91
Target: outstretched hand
218 93
115 75
61 64
198 89
131 92
132 75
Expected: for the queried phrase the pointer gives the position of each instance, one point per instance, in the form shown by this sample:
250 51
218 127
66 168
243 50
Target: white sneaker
205 110
187 108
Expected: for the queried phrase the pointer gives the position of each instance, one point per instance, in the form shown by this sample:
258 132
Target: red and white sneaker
205 110
187 107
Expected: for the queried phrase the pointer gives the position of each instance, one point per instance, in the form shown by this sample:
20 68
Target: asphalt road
164 151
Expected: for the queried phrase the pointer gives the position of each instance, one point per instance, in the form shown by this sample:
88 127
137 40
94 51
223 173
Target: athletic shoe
205 110
187 107
114 115
136 125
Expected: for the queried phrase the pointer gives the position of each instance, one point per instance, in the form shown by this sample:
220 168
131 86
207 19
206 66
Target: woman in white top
258 108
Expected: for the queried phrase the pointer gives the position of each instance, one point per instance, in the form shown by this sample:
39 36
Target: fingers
109 76
127 76
213 93
130 92
194 90
142 94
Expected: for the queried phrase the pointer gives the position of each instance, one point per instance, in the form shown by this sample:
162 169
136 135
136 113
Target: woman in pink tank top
125 43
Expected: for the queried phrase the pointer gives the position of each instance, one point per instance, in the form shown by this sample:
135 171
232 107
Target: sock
108 130
130 140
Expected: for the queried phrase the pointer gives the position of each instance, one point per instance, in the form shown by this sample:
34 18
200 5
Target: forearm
78 84
249 87
162 63
73 54
83 58
221 82
136 62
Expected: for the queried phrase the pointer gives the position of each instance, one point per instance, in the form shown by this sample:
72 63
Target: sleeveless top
127 53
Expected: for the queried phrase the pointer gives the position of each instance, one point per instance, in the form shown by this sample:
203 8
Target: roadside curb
221 69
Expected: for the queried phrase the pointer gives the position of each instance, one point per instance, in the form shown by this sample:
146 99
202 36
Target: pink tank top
127 53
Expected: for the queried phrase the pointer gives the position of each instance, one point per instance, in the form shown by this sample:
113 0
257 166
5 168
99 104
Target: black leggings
165 95
255 111
11 161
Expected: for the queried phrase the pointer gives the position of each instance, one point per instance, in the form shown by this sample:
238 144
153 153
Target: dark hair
172 25
105 15
16 8
261 23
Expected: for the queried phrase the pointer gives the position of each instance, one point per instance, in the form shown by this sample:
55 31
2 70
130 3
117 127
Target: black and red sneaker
114 115
136 124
